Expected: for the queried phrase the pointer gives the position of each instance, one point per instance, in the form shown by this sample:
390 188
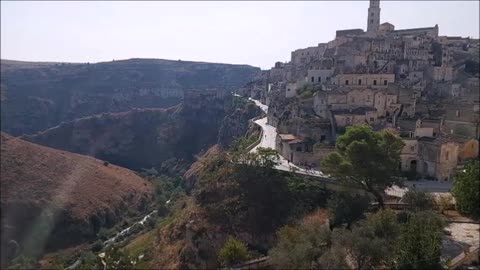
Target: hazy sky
255 33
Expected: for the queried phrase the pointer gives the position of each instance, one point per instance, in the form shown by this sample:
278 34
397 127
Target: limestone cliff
144 138
37 96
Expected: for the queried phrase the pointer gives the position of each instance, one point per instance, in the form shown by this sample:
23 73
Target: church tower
373 16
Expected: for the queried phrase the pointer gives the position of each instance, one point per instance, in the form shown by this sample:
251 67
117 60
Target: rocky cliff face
37 96
53 199
144 138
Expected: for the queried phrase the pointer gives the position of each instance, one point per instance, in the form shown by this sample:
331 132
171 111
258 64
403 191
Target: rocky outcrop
144 138
237 123
53 199
37 96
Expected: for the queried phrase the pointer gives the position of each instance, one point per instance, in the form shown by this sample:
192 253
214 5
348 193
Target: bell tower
373 16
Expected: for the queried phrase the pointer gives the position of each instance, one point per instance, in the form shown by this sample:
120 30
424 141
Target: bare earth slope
54 198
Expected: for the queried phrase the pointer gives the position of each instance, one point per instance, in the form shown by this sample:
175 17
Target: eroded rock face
237 123
37 96
144 138
53 199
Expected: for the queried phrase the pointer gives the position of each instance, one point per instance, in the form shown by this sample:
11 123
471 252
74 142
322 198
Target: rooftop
287 137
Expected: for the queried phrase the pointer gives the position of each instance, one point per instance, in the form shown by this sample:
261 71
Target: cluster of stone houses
385 78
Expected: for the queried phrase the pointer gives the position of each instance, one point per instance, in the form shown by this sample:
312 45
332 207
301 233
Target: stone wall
409 154
362 80
468 150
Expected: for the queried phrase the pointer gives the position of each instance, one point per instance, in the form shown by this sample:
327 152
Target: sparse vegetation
300 245
420 242
418 200
233 252
466 189
346 208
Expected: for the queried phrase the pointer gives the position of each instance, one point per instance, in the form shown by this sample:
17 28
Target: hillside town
413 82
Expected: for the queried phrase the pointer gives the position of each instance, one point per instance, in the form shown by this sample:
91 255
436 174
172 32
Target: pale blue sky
255 33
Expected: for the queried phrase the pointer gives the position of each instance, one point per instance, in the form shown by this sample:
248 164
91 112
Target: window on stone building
322 138
446 156
319 79
372 119
457 113
385 82
359 82
371 21
371 14
374 82
346 82
313 79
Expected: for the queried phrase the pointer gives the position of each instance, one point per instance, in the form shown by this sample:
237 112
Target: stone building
427 128
291 90
438 158
462 119
375 102
431 32
352 117
373 21
410 80
349 33
409 155
319 76
300 151
468 149
307 55
441 74
364 80
385 28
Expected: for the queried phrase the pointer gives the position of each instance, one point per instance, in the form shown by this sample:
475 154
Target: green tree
466 189
333 259
420 242
366 250
367 158
384 224
300 246
418 200
346 208
233 252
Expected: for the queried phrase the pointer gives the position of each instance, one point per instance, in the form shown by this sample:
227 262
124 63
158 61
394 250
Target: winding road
268 141
437 188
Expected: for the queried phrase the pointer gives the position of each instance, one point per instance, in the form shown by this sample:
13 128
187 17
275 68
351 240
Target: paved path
268 141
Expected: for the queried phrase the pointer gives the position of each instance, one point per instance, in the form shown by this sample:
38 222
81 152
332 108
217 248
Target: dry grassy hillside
52 199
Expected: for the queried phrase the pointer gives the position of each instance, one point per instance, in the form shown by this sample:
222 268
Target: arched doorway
413 165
